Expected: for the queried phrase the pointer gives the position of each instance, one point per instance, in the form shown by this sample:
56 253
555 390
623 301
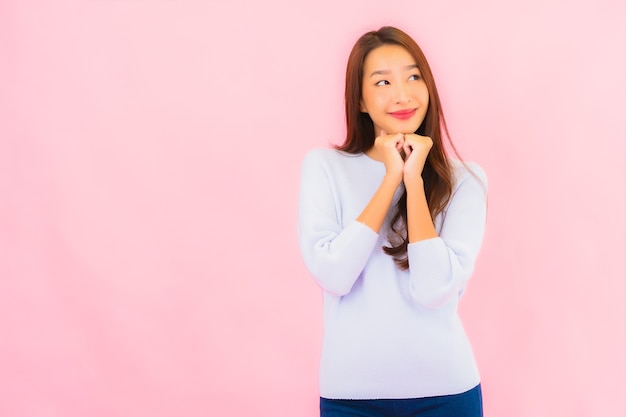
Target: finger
399 141
408 146
412 139
419 140
415 136
407 151
382 132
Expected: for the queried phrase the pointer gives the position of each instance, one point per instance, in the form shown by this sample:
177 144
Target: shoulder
328 157
468 171
320 154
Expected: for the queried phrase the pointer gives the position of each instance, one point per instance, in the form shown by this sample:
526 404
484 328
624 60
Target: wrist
393 179
413 182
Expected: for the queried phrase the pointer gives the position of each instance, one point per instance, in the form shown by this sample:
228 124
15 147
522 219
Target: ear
362 106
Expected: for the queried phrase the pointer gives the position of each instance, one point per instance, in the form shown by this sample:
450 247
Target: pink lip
403 114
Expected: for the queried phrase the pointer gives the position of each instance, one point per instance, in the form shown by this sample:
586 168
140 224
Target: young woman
389 227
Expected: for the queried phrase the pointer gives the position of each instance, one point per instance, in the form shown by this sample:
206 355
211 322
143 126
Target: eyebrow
385 72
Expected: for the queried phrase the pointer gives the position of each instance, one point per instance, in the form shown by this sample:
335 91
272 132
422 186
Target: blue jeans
466 404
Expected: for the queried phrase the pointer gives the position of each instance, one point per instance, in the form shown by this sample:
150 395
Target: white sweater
388 333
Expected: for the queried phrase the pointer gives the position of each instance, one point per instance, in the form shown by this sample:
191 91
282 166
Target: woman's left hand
416 149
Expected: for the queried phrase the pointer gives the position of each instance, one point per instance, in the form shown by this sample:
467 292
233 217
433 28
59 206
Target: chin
404 128
413 128
408 129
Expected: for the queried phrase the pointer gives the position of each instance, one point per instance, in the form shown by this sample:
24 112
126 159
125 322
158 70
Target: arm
386 148
441 266
419 222
336 255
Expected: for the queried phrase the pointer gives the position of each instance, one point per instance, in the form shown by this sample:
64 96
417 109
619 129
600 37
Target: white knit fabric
388 333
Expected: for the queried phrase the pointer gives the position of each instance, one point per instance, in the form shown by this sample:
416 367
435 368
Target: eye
382 82
414 77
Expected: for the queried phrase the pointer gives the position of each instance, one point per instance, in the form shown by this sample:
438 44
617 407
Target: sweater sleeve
334 254
440 267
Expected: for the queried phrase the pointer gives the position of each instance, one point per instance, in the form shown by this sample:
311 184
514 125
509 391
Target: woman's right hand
389 148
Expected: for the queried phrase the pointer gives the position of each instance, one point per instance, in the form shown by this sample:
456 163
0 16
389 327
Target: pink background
149 166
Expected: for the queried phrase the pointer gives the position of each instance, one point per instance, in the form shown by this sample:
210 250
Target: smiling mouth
403 114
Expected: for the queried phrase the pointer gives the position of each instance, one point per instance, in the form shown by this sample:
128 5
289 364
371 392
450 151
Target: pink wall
149 163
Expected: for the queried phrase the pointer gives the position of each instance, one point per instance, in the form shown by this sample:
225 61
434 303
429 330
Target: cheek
382 103
426 95
423 95
365 99
375 100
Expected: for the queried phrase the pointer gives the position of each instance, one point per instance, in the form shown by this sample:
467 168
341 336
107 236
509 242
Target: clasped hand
404 155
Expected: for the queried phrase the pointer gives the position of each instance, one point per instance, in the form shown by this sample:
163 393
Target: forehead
387 57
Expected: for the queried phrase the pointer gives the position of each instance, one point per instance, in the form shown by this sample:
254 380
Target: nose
401 94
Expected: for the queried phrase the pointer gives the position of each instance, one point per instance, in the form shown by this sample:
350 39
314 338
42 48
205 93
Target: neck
374 154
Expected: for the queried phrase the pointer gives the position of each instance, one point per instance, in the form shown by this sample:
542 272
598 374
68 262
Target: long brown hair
437 172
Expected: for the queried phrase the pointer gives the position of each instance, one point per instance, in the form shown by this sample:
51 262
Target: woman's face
394 94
